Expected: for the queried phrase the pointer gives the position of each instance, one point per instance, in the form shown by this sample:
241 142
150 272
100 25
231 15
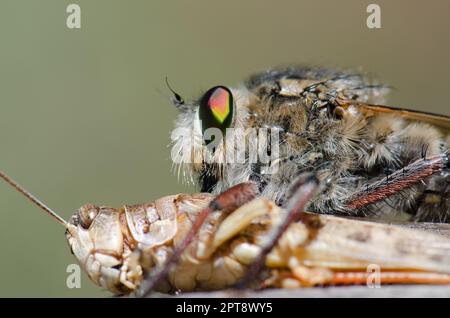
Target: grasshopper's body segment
115 247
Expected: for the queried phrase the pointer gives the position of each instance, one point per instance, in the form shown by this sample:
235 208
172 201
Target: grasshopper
117 247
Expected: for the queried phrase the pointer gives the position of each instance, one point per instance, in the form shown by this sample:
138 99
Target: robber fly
338 152
329 124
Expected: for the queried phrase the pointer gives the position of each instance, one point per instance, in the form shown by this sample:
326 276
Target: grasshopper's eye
87 214
216 109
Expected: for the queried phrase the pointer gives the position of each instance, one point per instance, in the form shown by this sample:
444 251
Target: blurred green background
85 114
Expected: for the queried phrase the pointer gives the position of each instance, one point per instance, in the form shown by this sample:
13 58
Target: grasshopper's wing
342 244
347 243
442 122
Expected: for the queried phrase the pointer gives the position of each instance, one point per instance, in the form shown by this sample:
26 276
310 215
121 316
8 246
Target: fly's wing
442 122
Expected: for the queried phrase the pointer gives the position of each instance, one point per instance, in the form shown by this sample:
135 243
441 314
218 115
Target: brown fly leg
303 189
394 183
227 202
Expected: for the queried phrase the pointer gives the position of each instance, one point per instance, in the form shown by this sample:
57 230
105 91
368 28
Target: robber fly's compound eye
216 109
87 214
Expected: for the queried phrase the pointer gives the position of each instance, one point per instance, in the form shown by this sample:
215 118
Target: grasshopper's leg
227 201
393 184
326 277
302 276
390 277
303 190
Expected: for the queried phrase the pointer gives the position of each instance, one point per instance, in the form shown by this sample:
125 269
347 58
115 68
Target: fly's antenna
36 201
178 99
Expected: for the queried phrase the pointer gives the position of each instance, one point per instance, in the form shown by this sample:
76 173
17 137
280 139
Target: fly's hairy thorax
345 146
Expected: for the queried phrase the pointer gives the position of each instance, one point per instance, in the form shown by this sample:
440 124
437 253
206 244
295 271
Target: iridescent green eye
216 109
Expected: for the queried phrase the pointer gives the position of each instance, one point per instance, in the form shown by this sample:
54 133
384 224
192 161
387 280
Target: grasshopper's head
96 239
114 246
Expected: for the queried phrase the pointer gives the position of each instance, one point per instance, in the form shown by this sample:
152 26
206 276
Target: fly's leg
303 190
227 202
433 204
394 183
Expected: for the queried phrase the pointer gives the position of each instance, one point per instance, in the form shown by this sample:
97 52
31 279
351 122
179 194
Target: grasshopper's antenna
36 201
